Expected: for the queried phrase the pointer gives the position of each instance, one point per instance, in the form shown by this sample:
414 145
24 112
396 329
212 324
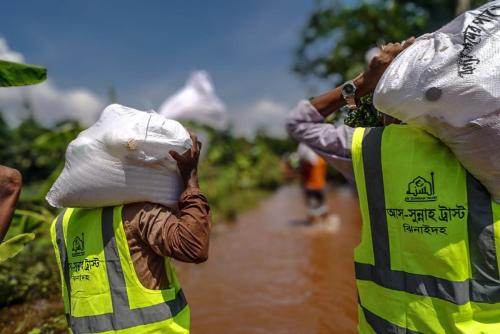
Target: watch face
348 89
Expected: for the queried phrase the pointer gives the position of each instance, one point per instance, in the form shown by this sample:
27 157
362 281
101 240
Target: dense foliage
365 115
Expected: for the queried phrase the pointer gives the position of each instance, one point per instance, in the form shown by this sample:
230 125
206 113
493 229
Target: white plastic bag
448 83
198 102
122 158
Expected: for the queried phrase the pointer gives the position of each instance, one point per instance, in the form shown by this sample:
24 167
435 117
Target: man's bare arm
10 188
366 82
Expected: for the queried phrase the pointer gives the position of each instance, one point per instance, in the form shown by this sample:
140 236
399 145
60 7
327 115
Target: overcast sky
147 49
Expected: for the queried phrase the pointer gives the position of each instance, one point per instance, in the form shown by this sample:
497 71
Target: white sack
448 83
122 158
198 102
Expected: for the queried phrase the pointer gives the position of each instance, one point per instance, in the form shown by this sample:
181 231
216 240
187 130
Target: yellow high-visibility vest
100 288
428 261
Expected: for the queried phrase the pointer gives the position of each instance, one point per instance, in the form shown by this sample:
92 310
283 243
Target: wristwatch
348 92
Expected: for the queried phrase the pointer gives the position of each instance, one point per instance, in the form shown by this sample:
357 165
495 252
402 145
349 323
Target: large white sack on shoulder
448 83
122 158
197 102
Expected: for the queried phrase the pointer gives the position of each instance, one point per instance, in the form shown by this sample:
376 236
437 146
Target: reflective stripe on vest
383 326
123 316
484 284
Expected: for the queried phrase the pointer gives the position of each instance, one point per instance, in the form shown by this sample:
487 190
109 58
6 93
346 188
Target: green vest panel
427 260
101 290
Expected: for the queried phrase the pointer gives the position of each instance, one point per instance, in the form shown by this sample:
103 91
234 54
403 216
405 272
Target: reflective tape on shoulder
63 255
372 155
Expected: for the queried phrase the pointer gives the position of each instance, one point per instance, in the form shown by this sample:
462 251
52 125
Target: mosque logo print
78 246
421 189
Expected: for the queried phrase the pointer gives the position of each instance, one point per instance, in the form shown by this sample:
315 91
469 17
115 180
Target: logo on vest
421 190
78 246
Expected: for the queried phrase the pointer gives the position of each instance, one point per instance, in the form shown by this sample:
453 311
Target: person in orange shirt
313 177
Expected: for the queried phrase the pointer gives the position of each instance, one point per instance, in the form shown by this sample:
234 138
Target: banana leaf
14 246
15 74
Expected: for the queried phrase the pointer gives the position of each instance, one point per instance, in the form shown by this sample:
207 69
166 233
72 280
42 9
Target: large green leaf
15 74
14 246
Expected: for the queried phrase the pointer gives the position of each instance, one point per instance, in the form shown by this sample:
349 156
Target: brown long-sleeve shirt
154 232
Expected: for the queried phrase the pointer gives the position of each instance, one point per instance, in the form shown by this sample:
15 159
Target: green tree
336 37
33 149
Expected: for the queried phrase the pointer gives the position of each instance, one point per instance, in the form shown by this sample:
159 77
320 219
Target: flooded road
271 273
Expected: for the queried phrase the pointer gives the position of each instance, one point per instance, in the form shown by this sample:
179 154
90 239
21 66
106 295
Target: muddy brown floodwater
271 273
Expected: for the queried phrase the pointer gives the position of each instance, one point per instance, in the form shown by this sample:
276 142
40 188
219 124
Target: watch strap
351 101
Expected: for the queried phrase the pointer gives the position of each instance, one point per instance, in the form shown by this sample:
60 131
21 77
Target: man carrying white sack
115 261
428 260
